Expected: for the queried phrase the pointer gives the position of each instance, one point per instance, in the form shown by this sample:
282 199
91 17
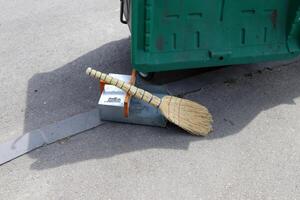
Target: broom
189 115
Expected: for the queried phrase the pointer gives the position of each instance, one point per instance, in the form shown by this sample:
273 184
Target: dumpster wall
176 34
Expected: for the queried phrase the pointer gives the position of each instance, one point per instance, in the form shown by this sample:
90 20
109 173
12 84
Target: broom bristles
187 114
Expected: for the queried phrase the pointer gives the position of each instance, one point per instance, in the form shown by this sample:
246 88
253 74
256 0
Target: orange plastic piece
102 84
128 97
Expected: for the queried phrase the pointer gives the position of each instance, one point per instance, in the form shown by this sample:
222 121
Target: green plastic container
184 34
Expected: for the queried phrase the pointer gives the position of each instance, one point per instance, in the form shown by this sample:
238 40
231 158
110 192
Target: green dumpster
184 34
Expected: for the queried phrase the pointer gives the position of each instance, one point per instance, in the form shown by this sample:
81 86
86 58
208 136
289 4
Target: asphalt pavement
45 46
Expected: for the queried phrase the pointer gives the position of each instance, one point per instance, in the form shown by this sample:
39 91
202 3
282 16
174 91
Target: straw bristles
187 114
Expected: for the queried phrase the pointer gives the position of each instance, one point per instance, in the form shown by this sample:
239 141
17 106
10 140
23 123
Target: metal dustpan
117 106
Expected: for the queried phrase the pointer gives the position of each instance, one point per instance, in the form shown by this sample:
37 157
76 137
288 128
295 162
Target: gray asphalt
253 153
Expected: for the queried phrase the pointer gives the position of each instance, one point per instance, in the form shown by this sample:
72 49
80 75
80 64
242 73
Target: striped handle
130 89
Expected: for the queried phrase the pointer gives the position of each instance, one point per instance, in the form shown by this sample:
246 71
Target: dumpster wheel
147 76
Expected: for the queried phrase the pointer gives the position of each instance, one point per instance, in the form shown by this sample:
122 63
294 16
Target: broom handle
130 89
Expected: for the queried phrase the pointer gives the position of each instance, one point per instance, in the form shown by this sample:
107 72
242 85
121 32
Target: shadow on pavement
67 91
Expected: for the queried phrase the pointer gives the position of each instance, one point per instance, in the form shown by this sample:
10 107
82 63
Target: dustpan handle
126 87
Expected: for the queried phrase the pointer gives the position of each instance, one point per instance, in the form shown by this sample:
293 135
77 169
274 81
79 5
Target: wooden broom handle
130 89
